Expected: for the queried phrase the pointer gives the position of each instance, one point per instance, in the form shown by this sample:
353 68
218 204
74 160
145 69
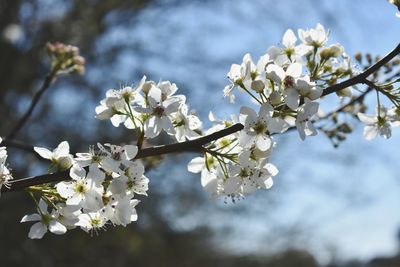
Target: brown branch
188 146
18 145
348 104
360 78
46 84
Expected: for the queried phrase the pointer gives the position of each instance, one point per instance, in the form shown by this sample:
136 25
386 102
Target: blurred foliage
25 28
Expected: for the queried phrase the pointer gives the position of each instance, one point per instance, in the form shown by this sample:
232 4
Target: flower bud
258 86
275 98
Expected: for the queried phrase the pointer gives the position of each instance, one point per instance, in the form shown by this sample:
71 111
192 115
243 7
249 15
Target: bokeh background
328 207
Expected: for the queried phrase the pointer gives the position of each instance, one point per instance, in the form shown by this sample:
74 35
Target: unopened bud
275 98
358 57
258 86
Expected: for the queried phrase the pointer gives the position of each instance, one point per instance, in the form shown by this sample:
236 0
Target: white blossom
258 127
304 124
46 221
59 157
186 125
376 124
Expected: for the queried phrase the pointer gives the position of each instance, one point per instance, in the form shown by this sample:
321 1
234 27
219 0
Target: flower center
243 173
288 82
130 184
80 188
260 128
159 111
46 218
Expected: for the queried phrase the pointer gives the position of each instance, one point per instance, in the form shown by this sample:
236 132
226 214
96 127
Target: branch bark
195 145
360 78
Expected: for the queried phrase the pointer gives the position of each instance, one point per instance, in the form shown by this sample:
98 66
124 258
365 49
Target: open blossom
131 180
186 125
84 190
313 37
376 124
45 221
304 124
159 112
289 52
258 127
116 156
117 102
121 210
240 75
59 157
92 221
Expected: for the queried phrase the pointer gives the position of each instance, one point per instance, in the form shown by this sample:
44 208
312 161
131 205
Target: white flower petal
62 150
295 70
31 218
77 173
367 119
196 165
37 231
289 39
370 132
43 152
263 142
130 151
57 228
292 98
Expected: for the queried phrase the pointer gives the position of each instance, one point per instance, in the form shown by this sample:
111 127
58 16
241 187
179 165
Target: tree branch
188 146
46 84
360 78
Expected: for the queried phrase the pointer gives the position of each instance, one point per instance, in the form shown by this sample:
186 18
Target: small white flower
304 124
117 105
240 75
121 211
185 125
59 157
116 156
84 190
131 180
159 112
258 127
45 222
91 222
376 124
313 37
289 53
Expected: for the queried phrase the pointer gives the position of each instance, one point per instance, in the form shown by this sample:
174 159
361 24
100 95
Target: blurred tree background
168 39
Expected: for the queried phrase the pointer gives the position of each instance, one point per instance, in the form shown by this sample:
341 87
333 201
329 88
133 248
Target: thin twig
350 103
46 84
363 75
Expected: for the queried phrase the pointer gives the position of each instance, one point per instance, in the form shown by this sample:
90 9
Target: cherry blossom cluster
102 190
296 70
65 58
285 82
150 108
235 165
5 174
